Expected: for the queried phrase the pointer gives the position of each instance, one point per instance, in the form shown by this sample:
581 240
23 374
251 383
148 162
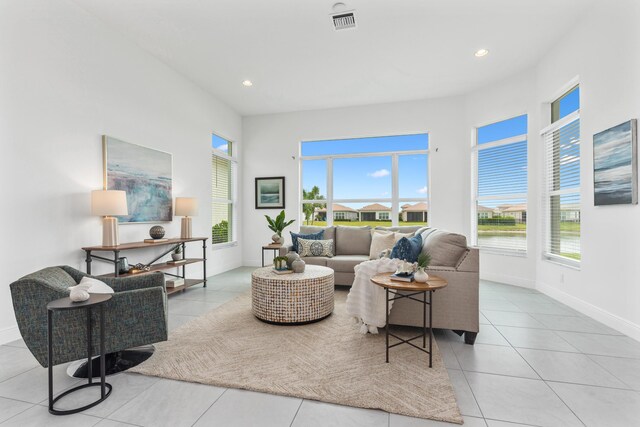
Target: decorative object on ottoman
291 257
186 207
108 204
298 266
280 263
421 276
79 292
278 225
292 298
177 254
156 232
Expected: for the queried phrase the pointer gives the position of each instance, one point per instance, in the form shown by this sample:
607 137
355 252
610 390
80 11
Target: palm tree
309 208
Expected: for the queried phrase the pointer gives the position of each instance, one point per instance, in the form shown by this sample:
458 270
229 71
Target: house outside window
561 186
223 191
365 181
500 163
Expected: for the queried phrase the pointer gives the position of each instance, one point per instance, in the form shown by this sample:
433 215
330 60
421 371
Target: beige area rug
328 361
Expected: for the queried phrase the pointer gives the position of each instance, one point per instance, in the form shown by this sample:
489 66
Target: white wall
271 141
505 100
604 51
65 80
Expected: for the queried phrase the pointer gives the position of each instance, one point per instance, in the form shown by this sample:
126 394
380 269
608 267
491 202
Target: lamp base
185 229
109 231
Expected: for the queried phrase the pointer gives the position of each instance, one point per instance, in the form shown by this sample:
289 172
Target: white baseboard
509 280
611 320
9 334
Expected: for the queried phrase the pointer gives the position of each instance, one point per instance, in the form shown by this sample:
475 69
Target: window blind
562 188
500 204
223 171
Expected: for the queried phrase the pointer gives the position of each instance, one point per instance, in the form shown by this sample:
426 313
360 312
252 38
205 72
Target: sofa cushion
352 240
312 236
345 263
380 241
444 247
315 247
329 232
406 229
407 249
316 260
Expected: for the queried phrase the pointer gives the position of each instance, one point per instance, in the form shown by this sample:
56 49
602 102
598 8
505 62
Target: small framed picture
270 193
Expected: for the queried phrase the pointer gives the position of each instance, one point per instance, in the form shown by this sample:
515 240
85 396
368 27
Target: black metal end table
62 304
275 247
413 288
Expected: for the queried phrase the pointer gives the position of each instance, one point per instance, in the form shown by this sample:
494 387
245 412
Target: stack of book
174 283
287 271
402 277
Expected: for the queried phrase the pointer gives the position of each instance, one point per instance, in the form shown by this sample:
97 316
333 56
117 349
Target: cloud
422 190
223 147
379 173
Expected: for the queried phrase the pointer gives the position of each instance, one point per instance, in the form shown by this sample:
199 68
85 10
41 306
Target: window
562 180
500 190
223 173
366 181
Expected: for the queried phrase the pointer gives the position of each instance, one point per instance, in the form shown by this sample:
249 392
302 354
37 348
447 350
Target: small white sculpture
79 292
405 268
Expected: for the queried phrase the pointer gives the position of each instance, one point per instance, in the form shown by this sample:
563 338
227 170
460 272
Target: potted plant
177 253
424 259
278 225
280 263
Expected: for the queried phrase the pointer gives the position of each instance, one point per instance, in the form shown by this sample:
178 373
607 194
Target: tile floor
536 363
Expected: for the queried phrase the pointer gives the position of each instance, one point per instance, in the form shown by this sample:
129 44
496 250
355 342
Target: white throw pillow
96 286
380 241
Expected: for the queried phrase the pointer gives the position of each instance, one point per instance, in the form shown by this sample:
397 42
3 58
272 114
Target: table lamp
186 207
108 203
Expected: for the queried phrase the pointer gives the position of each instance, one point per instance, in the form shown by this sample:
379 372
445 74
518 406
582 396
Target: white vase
277 238
421 276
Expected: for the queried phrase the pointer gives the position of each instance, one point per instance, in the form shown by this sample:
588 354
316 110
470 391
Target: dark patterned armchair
135 316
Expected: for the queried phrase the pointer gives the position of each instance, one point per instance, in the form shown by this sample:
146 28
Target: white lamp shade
186 206
109 202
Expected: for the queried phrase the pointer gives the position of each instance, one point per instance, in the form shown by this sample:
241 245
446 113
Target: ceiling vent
344 21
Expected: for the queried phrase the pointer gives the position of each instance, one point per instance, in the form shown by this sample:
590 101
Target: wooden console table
172 244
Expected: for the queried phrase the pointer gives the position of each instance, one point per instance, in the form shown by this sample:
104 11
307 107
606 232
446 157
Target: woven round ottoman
292 299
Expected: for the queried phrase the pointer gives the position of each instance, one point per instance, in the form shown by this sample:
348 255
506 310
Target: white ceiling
401 49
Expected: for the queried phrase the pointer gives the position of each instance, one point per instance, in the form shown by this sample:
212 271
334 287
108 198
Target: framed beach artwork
145 175
615 165
270 193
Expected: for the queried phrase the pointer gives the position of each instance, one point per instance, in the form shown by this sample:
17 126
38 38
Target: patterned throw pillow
295 236
315 247
407 249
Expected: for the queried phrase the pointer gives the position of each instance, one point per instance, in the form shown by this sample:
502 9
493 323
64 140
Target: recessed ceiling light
482 52
247 83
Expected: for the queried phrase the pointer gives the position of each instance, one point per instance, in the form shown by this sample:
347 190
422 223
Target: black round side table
62 304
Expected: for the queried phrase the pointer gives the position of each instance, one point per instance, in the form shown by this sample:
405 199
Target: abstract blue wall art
145 174
615 165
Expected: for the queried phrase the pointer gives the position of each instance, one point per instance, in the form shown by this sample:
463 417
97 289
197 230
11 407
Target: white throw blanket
366 300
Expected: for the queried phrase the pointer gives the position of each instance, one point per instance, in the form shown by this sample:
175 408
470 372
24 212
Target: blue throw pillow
407 249
296 236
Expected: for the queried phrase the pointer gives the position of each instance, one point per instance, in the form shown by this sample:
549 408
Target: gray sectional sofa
455 307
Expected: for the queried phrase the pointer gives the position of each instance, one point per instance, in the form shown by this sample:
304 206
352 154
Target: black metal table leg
105 388
431 329
424 319
116 262
204 264
386 312
263 257
88 261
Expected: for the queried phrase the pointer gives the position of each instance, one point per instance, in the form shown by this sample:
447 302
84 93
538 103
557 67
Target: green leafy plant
424 259
278 224
280 258
220 232
309 209
178 249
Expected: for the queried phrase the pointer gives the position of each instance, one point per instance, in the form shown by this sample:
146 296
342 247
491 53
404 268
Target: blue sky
368 178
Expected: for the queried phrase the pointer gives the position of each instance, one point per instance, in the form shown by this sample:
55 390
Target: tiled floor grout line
207 410
293 420
475 399
21 412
